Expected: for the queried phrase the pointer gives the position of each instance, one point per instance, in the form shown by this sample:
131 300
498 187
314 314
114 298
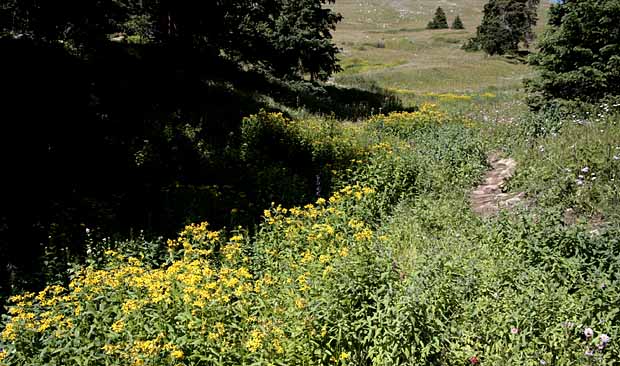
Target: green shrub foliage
579 56
391 269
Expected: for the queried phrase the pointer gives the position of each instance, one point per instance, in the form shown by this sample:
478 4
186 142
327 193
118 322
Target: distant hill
389 14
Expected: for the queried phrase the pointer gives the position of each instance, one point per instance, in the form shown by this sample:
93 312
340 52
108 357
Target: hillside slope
385 41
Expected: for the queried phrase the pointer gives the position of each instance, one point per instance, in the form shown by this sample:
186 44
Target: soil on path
489 197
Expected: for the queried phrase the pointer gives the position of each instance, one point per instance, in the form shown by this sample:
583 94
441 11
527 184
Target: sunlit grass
386 41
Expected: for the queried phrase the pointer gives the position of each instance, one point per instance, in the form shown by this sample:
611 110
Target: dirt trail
488 198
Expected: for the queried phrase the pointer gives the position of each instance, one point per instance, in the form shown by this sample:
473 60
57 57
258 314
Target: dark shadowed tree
457 23
292 38
301 39
505 24
440 21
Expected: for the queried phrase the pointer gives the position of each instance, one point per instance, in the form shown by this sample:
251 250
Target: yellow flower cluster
195 234
449 96
442 96
428 114
207 277
255 342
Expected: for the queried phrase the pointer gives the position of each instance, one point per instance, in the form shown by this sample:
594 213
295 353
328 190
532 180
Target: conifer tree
457 23
579 57
505 23
440 21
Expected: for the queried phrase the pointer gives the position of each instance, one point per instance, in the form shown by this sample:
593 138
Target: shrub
217 299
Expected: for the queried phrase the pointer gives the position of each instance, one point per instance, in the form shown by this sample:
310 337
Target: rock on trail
489 197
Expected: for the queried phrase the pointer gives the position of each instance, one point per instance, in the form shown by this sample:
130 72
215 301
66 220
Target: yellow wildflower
277 346
118 326
148 348
324 258
177 354
300 303
130 306
365 234
110 349
308 257
256 341
303 282
9 333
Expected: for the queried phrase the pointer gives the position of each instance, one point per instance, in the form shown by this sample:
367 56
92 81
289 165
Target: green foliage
505 23
391 269
579 55
163 117
314 285
294 161
457 23
506 291
440 21
572 161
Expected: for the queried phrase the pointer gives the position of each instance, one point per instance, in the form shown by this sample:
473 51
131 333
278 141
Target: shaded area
145 138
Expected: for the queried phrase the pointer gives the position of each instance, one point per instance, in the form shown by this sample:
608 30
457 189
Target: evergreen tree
579 56
440 21
505 23
301 40
290 38
457 23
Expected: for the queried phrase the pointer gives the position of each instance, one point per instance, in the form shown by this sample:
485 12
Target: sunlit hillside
387 41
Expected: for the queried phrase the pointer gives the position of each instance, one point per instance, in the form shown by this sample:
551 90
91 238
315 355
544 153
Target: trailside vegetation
391 268
128 116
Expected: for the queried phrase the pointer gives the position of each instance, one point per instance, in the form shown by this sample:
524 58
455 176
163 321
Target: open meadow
377 255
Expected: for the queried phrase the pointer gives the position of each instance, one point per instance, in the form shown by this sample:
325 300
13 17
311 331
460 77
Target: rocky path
489 197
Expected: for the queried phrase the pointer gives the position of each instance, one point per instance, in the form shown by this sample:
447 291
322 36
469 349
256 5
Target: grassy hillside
387 42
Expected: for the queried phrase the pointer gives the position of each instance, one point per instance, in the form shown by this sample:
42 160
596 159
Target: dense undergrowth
391 268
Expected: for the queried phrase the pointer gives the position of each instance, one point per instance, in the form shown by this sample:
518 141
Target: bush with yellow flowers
403 123
218 300
312 286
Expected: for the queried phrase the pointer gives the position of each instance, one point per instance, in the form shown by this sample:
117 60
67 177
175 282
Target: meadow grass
391 36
